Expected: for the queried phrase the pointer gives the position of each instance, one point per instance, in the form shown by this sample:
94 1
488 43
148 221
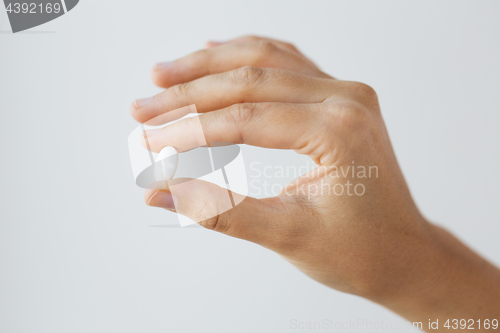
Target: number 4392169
471 324
33 8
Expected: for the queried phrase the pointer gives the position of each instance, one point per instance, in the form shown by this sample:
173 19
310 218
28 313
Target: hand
337 239
376 244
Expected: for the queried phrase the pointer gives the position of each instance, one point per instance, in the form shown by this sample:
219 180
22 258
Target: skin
265 93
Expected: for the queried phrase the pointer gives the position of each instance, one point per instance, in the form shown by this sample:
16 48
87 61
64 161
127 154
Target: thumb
216 208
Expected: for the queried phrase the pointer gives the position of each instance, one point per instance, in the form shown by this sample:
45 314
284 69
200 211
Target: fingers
246 84
230 56
218 209
284 45
267 125
250 39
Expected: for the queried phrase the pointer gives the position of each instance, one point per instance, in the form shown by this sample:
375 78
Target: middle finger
243 85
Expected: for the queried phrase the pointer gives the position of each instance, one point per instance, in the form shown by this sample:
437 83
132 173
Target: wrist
446 280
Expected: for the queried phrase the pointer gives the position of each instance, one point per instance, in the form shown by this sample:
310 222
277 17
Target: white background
76 250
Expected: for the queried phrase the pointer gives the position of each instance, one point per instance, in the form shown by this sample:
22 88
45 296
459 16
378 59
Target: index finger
266 125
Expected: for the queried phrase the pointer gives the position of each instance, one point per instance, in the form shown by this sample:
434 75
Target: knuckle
290 46
241 114
366 92
201 54
349 117
359 107
213 223
180 90
356 125
249 75
219 223
266 48
208 214
262 51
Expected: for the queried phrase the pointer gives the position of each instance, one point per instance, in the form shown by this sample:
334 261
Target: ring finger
226 57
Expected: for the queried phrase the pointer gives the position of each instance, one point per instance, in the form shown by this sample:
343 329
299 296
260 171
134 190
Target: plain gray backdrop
76 250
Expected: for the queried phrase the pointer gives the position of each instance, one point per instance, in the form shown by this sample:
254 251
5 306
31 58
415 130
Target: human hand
266 93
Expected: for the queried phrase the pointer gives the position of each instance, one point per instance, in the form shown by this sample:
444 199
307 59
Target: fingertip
134 111
160 199
137 113
158 76
161 74
148 194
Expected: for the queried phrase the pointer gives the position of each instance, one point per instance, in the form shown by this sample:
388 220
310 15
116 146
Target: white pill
166 164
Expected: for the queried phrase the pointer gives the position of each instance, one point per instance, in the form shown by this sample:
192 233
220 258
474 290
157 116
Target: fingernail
142 102
215 43
162 199
162 65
